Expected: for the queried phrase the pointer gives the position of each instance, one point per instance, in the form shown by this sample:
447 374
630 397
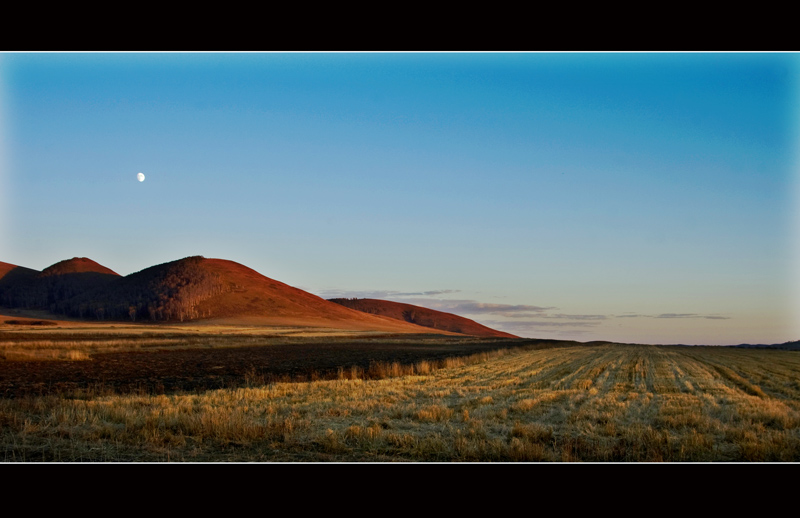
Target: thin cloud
691 315
474 307
425 293
528 324
674 315
577 317
538 328
523 315
457 306
558 316
380 294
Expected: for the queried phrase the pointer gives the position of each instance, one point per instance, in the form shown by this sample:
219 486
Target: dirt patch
30 323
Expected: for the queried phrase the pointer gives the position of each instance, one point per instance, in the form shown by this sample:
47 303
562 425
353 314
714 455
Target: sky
631 197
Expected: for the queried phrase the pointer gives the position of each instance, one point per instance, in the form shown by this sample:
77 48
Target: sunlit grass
82 343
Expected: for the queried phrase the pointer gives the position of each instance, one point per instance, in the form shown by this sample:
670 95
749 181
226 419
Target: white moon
140 176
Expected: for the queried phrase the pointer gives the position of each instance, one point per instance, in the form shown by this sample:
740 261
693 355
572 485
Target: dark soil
169 371
30 322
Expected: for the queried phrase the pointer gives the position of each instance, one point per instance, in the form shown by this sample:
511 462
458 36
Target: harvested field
535 403
163 363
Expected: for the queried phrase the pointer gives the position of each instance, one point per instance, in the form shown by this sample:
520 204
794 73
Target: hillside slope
422 316
11 273
12 277
249 297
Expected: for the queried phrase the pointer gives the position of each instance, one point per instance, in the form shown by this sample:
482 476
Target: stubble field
534 402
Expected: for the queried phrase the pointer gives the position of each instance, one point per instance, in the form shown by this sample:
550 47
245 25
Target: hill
228 292
422 316
189 289
76 265
12 277
55 287
11 274
789 346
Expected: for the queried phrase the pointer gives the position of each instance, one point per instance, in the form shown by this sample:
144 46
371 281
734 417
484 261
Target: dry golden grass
72 344
67 349
604 403
80 341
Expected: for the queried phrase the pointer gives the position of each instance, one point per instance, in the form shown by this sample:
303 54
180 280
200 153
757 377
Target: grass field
603 403
42 340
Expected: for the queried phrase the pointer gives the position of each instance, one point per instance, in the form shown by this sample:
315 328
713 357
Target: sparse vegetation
582 403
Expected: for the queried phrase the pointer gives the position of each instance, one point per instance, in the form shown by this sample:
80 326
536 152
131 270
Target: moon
140 177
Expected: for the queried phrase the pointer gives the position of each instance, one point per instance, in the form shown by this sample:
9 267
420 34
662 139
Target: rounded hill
76 265
422 316
223 291
193 289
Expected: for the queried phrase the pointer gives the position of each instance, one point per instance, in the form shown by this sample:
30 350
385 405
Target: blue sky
627 196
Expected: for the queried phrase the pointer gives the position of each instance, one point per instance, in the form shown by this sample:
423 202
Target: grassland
605 403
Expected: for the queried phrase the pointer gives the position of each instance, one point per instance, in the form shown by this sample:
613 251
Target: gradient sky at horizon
631 197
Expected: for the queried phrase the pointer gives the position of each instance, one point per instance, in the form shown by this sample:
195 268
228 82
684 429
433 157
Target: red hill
195 288
76 265
422 316
55 287
211 290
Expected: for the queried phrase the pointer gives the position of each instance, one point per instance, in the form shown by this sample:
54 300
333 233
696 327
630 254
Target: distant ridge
422 316
791 346
188 289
